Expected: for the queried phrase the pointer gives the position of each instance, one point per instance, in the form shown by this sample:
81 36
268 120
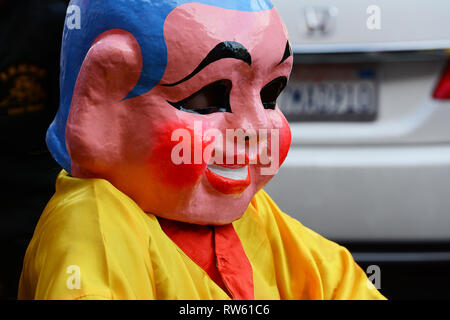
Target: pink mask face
199 145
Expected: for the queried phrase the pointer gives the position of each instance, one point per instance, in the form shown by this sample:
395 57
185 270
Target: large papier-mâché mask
173 102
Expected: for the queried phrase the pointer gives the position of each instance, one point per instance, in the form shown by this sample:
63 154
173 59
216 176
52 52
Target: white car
369 108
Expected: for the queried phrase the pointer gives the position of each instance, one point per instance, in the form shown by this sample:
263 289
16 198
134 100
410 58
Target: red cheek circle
164 168
285 140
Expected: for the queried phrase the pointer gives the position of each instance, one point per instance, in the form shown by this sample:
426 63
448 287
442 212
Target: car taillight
442 90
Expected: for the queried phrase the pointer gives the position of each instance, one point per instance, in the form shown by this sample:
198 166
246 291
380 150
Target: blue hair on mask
142 18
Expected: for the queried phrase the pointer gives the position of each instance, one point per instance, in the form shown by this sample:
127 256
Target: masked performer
167 131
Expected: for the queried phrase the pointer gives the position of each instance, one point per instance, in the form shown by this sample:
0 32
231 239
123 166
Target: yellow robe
94 242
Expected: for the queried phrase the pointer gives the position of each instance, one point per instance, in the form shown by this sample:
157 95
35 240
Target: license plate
331 93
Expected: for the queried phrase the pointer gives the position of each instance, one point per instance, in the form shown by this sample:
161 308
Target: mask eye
212 98
271 91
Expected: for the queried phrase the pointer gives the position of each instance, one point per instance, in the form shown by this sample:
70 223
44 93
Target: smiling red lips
228 179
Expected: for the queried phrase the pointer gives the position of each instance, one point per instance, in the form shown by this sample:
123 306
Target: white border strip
371 47
401 256
392 156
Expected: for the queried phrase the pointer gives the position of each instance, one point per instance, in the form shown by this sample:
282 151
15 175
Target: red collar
218 251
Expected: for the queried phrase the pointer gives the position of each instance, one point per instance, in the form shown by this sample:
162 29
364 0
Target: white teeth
234 174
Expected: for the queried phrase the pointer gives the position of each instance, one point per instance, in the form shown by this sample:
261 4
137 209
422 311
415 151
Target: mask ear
110 70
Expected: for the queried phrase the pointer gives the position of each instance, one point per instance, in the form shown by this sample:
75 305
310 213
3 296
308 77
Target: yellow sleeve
308 265
87 245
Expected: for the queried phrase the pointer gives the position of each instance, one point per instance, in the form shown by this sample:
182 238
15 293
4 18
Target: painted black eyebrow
287 53
226 49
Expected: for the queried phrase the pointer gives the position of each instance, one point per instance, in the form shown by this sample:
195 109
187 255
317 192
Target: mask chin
209 207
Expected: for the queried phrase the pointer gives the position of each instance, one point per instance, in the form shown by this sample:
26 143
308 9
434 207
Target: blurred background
30 41
369 108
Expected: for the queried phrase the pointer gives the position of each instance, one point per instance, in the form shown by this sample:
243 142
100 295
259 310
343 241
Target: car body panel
381 180
403 25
